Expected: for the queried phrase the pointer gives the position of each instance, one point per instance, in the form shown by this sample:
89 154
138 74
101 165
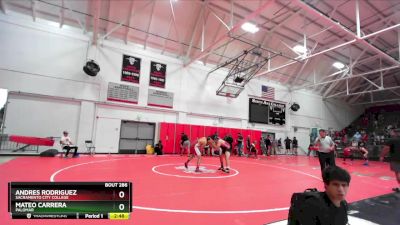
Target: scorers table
70 200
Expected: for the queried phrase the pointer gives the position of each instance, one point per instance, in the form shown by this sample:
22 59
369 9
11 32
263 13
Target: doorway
135 136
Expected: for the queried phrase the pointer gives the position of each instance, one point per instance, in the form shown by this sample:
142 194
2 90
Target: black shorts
225 149
395 166
295 146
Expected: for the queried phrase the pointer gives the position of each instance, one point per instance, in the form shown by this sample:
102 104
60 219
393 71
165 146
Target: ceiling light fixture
300 49
249 27
338 65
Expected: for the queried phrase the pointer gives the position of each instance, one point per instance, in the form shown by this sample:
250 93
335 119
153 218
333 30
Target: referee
326 149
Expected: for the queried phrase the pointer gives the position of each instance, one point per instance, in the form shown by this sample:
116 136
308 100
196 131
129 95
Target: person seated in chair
158 148
67 144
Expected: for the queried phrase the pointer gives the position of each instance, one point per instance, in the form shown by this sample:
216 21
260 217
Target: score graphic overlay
70 200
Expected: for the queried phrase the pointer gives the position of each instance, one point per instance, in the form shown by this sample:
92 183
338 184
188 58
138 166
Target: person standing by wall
239 144
280 143
274 148
392 146
248 142
158 148
295 145
268 144
326 149
287 145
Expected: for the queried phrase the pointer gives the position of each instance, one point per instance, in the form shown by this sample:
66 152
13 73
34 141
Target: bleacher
374 122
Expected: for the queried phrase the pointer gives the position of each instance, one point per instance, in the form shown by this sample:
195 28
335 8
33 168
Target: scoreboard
267 112
70 200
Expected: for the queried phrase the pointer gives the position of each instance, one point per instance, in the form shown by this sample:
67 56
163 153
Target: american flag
267 92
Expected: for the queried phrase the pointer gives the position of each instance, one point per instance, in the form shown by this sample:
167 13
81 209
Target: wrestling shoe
226 170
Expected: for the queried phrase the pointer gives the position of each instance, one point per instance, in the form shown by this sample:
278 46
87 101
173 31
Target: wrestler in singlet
200 144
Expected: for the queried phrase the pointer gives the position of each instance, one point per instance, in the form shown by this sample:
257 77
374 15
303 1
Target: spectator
295 145
392 146
268 144
274 149
330 207
67 144
239 144
248 142
357 137
364 138
345 140
287 145
365 121
158 148
280 143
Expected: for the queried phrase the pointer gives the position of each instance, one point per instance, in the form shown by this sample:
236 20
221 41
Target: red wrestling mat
257 191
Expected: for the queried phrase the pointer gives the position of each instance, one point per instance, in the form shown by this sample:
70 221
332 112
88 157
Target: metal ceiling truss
3 6
62 14
149 24
227 35
33 5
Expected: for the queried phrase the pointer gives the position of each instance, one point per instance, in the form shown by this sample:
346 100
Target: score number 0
121 194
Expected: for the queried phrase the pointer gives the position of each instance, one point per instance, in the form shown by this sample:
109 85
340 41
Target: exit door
135 136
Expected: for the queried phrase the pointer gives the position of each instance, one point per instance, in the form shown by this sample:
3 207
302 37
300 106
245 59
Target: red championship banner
130 69
158 74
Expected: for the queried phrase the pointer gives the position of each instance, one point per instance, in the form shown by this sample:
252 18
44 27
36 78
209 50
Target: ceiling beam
364 87
62 16
108 18
213 40
33 5
3 6
176 28
350 77
213 45
165 40
333 48
361 40
363 92
96 20
196 24
379 101
301 69
149 24
131 15
128 19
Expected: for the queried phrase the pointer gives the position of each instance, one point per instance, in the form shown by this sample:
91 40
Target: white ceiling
192 30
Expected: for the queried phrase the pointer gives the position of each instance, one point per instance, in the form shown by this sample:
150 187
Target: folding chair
91 149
